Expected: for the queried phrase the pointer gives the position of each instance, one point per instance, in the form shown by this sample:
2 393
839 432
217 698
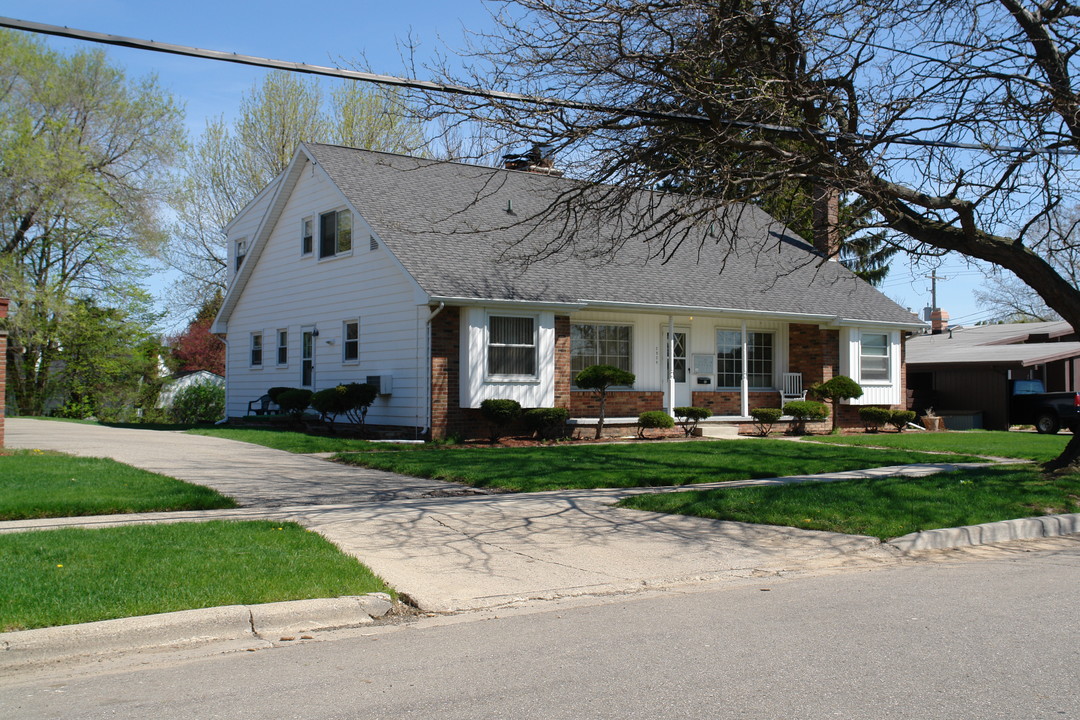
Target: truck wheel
1047 423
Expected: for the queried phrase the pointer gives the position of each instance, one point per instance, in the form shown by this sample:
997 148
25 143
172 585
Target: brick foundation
620 403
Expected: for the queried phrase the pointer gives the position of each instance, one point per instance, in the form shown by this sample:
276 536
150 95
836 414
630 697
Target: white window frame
346 342
282 347
255 350
506 377
307 236
742 360
338 250
888 379
241 253
597 324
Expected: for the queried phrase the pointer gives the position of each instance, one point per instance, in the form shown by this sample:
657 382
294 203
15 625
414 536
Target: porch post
670 401
744 383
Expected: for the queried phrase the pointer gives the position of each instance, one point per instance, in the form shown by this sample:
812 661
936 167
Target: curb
1030 528
267 622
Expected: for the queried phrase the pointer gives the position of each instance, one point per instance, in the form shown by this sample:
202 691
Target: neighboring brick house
355 264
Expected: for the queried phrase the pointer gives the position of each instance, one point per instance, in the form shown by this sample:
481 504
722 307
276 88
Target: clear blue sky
324 32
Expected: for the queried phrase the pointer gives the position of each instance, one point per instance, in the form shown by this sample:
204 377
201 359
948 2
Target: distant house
186 380
356 265
964 373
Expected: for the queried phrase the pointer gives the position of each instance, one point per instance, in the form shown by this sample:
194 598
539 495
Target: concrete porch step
725 431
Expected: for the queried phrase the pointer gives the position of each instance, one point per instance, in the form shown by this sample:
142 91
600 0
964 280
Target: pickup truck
1030 404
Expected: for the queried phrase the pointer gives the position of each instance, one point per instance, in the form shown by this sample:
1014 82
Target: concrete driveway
456 553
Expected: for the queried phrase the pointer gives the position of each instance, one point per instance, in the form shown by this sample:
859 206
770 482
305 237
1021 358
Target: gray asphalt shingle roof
449 225
992 344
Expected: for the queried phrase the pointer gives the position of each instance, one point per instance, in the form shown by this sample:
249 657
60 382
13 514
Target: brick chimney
3 367
826 220
939 321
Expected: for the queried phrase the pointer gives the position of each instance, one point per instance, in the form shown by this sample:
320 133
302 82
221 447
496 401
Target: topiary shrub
900 418
359 397
840 387
874 417
599 378
500 413
764 419
689 417
199 403
275 392
294 401
654 419
330 403
804 411
546 423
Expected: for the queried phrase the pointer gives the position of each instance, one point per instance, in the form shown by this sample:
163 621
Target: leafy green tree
84 154
231 162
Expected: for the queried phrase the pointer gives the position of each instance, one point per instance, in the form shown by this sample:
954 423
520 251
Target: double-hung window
874 357
596 344
335 233
350 351
759 359
307 232
256 349
511 346
282 347
241 252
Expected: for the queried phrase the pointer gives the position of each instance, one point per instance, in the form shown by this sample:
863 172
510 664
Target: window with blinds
511 346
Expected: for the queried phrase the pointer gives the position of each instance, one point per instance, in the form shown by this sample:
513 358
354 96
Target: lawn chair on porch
263 406
791 388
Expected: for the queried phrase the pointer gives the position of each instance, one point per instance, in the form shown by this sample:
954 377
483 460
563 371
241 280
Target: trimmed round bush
275 393
500 412
900 418
546 423
689 417
874 417
765 418
294 401
199 403
804 411
654 419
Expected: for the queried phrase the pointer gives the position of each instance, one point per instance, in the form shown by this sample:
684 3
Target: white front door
682 380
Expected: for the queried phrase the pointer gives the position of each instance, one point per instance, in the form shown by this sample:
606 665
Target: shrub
359 397
275 393
202 402
599 378
500 413
764 419
804 411
546 423
874 417
689 417
330 403
654 419
900 418
294 401
838 388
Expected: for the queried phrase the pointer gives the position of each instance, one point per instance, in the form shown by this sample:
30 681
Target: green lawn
59 577
532 469
40 484
1026 446
295 442
884 508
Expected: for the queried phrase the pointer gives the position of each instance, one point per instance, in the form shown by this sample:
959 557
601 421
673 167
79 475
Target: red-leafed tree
196 348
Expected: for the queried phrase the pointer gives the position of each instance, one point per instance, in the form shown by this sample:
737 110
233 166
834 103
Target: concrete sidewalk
450 554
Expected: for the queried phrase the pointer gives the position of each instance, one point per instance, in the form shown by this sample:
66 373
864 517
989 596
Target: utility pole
934 277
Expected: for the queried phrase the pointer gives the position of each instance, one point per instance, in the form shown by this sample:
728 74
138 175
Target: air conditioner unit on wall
384 384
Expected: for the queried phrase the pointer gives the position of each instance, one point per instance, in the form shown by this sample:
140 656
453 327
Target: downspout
427 416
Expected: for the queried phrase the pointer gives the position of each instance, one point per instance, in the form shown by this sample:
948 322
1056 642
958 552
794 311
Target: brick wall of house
814 352
445 373
3 368
563 381
620 403
728 402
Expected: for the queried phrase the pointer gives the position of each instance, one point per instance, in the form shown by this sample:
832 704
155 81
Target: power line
428 86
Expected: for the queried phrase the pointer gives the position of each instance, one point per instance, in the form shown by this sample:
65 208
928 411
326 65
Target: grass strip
885 507
1026 446
43 484
294 442
532 469
60 577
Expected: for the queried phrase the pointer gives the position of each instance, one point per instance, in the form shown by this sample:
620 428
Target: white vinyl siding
297 296
861 356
